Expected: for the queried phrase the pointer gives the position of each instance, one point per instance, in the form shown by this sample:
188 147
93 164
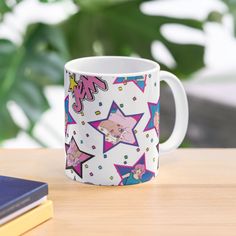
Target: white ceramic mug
112 119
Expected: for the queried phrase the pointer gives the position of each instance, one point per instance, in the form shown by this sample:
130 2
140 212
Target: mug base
73 177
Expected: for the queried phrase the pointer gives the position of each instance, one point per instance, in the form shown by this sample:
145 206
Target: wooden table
194 194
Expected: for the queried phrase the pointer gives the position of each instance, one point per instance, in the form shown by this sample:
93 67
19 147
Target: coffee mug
112 111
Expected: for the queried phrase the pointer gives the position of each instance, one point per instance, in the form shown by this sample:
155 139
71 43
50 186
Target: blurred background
195 39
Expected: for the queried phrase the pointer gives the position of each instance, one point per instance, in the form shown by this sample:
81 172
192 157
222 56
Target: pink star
135 174
75 158
153 123
117 128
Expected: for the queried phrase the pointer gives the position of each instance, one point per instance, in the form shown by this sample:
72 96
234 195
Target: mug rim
69 66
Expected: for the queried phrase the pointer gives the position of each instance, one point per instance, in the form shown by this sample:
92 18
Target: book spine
29 220
25 200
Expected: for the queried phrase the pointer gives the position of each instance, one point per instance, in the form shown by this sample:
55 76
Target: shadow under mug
112 111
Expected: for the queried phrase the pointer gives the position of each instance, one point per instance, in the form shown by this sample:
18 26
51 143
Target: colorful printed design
139 81
73 83
85 89
75 158
68 118
117 128
153 123
135 174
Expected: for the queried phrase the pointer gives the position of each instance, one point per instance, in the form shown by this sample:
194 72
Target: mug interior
111 65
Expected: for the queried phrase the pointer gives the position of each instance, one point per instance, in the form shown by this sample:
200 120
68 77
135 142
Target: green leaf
232 10
108 27
189 58
8 128
215 16
49 1
7 6
31 99
4 7
122 29
91 5
25 70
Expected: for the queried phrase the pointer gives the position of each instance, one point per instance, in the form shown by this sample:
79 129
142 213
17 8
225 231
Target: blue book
16 194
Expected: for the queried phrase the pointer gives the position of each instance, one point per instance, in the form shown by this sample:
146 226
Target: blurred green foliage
101 27
232 10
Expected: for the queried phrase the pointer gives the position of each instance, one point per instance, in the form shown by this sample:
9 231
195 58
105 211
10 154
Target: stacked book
23 205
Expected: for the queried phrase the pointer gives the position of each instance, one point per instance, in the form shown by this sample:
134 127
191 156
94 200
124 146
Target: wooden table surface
194 194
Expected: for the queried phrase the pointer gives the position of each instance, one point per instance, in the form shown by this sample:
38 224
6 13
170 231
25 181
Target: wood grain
194 194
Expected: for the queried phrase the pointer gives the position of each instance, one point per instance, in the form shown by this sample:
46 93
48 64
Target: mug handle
181 110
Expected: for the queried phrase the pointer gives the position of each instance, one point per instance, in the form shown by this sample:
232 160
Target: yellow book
28 220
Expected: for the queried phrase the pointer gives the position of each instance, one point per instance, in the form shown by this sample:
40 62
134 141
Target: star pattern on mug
73 83
117 128
153 123
68 117
137 173
76 157
139 81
